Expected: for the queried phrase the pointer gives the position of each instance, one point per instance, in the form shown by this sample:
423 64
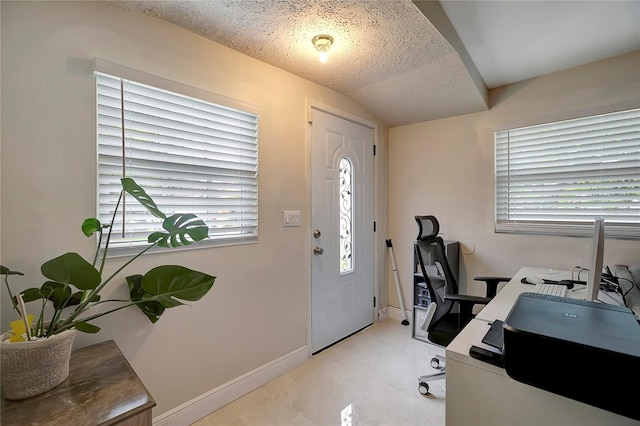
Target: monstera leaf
32 294
6 271
76 298
168 284
178 227
150 308
57 293
85 327
136 191
71 268
91 225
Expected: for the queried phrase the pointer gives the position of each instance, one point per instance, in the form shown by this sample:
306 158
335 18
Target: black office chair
441 322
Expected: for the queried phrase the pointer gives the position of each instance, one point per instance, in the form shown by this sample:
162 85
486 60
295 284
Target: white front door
342 287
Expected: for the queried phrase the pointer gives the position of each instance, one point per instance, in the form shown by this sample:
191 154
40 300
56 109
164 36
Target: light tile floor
372 375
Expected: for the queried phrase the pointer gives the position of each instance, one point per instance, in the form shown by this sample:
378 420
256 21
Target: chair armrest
492 284
466 303
467 299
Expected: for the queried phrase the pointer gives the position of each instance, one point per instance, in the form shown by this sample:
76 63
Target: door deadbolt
317 233
318 250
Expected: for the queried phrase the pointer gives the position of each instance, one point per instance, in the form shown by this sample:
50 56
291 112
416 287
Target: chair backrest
428 226
430 246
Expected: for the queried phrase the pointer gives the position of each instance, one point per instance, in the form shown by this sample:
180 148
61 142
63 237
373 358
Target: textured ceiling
411 61
387 56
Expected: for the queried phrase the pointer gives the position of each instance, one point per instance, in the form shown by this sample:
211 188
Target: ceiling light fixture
322 43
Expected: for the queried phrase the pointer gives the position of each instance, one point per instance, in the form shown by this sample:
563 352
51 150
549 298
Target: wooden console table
102 389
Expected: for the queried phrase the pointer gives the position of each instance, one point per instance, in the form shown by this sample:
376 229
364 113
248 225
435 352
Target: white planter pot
31 368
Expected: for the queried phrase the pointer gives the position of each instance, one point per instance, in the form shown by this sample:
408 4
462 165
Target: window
557 177
345 201
190 156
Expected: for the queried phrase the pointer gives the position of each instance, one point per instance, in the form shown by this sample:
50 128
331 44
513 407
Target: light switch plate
291 218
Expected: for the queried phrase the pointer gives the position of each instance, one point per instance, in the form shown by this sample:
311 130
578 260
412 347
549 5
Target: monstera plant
73 284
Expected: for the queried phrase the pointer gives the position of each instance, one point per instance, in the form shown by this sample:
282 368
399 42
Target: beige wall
445 168
257 310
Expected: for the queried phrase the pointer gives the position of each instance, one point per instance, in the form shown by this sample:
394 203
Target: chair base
438 363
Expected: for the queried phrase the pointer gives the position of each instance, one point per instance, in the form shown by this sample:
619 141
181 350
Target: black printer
586 351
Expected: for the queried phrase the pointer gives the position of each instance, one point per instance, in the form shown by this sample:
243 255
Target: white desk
502 303
479 393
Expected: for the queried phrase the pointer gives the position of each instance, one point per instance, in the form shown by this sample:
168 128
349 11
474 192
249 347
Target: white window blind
557 177
190 156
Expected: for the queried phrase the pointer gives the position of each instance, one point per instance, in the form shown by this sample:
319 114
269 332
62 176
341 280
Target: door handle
318 250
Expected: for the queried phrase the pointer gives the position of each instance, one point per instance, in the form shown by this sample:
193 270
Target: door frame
309 104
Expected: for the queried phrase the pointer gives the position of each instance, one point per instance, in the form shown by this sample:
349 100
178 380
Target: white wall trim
210 401
396 314
383 313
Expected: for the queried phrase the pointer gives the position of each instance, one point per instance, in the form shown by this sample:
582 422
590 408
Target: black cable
624 295
580 269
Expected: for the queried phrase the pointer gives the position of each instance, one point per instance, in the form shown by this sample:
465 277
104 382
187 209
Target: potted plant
73 289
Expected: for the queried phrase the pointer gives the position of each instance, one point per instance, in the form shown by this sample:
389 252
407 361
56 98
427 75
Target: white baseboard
396 314
201 406
383 314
